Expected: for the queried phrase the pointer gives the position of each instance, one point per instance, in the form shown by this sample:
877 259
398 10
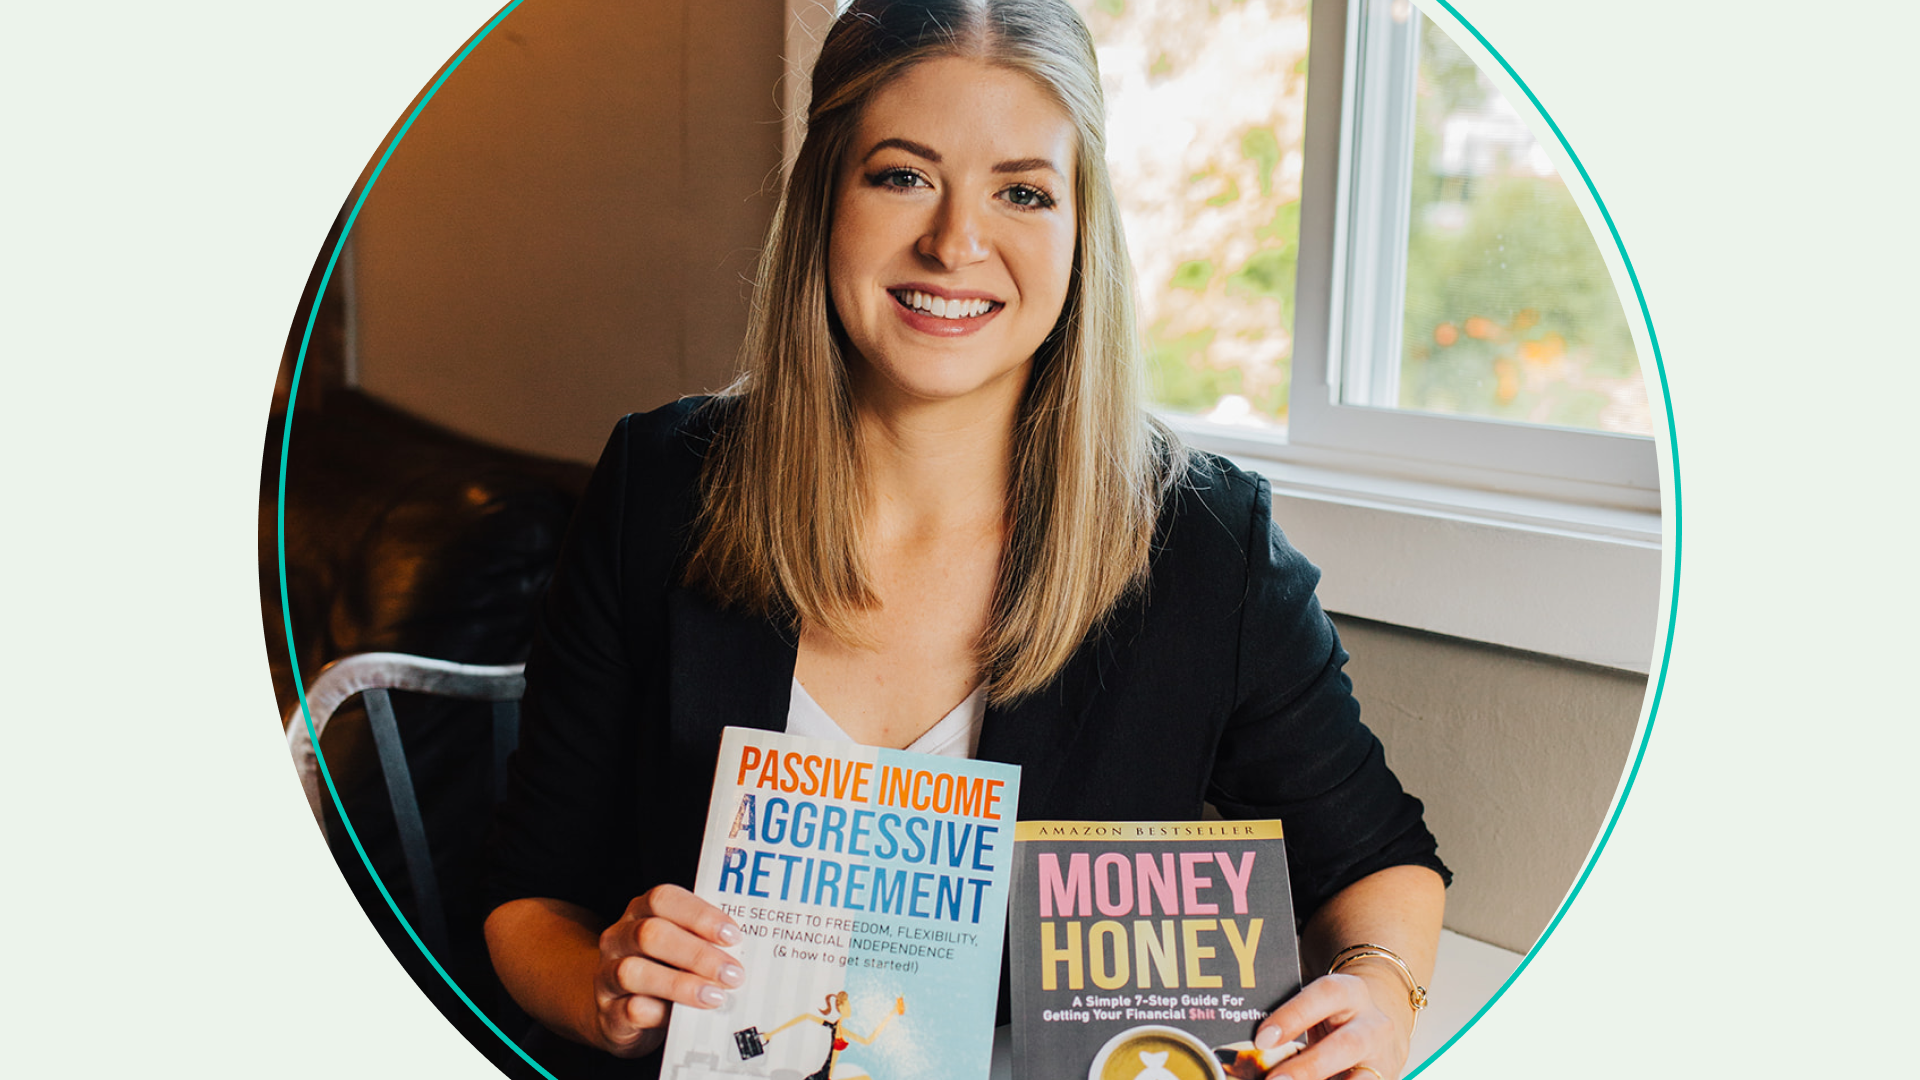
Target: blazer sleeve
1294 748
567 817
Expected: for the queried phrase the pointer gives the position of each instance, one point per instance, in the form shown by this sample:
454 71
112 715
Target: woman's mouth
927 304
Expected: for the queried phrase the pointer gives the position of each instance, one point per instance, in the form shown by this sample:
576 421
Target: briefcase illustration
750 1043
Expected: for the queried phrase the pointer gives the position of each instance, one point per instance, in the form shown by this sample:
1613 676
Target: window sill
1560 577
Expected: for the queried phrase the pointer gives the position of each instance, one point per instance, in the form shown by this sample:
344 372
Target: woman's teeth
941 308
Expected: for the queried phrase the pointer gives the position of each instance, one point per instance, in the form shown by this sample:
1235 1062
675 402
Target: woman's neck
936 469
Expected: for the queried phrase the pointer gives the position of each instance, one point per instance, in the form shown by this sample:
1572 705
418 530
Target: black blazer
1220 683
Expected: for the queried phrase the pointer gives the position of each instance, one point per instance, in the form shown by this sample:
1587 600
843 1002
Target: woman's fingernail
1267 1038
712 997
732 974
729 935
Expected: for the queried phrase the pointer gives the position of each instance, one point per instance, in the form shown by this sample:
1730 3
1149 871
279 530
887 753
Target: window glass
1206 105
1509 310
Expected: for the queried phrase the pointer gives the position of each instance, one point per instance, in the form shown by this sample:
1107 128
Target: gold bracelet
1416 994
1351 1069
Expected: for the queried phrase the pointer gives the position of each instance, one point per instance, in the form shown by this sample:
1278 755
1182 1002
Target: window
1410 233
1207 114
1453 318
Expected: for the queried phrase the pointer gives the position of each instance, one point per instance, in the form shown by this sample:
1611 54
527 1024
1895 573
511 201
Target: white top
957 734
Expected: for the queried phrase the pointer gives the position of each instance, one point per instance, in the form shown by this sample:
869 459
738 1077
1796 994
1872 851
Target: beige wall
566 233
1516 755
563 238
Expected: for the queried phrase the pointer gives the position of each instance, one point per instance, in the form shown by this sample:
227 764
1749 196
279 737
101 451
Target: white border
174 914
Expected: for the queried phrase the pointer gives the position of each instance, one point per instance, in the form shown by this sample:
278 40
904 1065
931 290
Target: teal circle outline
1673 593
280 528
1673 601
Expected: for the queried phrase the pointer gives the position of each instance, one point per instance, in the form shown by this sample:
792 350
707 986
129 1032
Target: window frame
1346 331
1419 520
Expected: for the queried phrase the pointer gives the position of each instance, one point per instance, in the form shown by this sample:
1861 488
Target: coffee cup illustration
1155 1052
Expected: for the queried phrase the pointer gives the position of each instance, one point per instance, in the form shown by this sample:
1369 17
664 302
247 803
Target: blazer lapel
1037 731
723 668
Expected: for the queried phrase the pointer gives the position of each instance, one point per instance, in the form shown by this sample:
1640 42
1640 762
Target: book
1148 950
870 887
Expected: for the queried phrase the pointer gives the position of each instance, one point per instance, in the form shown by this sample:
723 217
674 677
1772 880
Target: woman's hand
1363 1015
665 949
1344 1025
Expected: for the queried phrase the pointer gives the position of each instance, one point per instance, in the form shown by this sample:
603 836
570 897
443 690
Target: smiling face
953 233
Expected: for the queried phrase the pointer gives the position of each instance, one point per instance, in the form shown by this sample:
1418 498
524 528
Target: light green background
171 909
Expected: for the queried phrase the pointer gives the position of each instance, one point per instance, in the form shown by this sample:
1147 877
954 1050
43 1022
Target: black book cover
1148 950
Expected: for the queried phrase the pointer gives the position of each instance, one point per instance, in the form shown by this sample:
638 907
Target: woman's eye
1029 197
897 178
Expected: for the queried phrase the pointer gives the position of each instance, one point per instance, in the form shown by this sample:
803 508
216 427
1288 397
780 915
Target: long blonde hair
782 497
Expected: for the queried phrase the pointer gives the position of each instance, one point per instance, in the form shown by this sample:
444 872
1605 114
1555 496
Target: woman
933 515
833 1016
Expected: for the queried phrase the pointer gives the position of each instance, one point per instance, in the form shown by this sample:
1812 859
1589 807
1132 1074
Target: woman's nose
956 237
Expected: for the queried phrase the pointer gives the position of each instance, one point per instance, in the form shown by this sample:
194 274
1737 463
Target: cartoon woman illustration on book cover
835 1017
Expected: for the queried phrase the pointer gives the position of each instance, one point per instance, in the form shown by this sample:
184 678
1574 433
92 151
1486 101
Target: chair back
371 676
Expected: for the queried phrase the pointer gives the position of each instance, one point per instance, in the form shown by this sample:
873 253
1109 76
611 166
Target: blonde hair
779 530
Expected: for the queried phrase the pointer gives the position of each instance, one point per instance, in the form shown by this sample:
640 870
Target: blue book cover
870 886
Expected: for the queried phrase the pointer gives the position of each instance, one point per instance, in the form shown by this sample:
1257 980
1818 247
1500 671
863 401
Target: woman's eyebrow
911 147
1031 164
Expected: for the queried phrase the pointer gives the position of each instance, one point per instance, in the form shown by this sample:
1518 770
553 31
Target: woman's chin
943 386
